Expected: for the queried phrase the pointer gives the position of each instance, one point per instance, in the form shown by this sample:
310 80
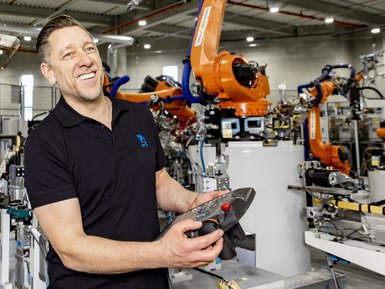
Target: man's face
74 64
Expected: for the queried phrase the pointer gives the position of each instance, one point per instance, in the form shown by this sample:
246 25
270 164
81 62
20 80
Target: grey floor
356 276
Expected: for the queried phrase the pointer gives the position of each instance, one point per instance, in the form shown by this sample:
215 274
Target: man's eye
67 55
90 49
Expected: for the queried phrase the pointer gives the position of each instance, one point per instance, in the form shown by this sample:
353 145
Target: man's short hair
42 44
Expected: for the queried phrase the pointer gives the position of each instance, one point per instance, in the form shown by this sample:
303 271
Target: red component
226 207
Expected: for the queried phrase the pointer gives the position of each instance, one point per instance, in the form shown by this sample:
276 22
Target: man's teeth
87 75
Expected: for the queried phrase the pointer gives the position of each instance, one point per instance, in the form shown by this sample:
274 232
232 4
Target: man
95 177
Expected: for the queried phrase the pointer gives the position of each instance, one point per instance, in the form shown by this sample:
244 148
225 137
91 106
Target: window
171 70
26 81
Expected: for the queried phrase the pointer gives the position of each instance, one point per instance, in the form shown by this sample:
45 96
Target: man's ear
48 73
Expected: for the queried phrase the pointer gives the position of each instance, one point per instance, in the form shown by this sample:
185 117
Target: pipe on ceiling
301 15
34 31
152 14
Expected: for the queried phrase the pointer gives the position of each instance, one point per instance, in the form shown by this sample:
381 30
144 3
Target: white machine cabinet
276 214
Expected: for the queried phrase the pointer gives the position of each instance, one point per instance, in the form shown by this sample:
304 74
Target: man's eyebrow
89 42
65 48
70 46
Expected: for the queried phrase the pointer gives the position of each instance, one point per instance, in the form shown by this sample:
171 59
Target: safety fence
13 101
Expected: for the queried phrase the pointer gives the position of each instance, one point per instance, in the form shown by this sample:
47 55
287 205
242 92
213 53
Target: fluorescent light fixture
329 20
147 46
123 39
142 22
27 38
274 9
253 45
250 39
375 30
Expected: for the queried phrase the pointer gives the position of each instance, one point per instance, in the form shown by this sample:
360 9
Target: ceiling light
329 20
250 39
1 51
147 46
274 9
253 45
375 30
96 40
27 38
142 22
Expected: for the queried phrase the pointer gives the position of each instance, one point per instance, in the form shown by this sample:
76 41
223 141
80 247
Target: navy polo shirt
111 172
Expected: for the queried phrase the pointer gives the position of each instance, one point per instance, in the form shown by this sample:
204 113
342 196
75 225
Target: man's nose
84 59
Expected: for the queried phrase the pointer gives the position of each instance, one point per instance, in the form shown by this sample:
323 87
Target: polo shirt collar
70 117
67 115
118 106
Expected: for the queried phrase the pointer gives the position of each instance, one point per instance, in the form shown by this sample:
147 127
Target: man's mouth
87 76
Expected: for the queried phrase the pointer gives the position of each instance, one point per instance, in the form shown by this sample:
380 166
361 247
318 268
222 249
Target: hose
374 89
122 80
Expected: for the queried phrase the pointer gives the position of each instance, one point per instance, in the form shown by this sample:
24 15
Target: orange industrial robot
321 88
170 95
225 79
228 77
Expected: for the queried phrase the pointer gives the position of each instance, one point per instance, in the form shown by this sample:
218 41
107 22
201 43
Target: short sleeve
47 177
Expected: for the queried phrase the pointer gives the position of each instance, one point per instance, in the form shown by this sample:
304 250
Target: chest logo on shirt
142 141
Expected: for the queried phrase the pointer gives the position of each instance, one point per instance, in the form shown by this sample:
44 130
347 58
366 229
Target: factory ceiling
170 21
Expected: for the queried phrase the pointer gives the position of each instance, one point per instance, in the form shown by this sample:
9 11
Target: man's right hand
176 250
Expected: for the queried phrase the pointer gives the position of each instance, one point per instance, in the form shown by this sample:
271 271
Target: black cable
362 239
352 233
211 274
375 89
378 203
336 228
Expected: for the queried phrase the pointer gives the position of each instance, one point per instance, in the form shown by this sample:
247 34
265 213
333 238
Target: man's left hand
206 197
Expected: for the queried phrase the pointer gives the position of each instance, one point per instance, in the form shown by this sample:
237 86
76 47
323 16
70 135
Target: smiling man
95 177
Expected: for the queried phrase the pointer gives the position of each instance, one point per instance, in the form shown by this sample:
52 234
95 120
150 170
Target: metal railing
12 101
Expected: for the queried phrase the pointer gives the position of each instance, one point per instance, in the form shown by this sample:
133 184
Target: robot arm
225 76
328 154
174 103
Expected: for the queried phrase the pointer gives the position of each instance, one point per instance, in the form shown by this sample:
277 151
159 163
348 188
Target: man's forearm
171 195
174 250
99 255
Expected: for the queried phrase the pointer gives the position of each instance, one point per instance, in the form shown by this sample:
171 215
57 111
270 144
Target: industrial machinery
237 87
234 89
345 212
232 94
20 238
373 155
320 89
161 92
228 78
341 223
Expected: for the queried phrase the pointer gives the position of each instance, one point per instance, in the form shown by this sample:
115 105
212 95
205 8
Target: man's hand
205 197
178 251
